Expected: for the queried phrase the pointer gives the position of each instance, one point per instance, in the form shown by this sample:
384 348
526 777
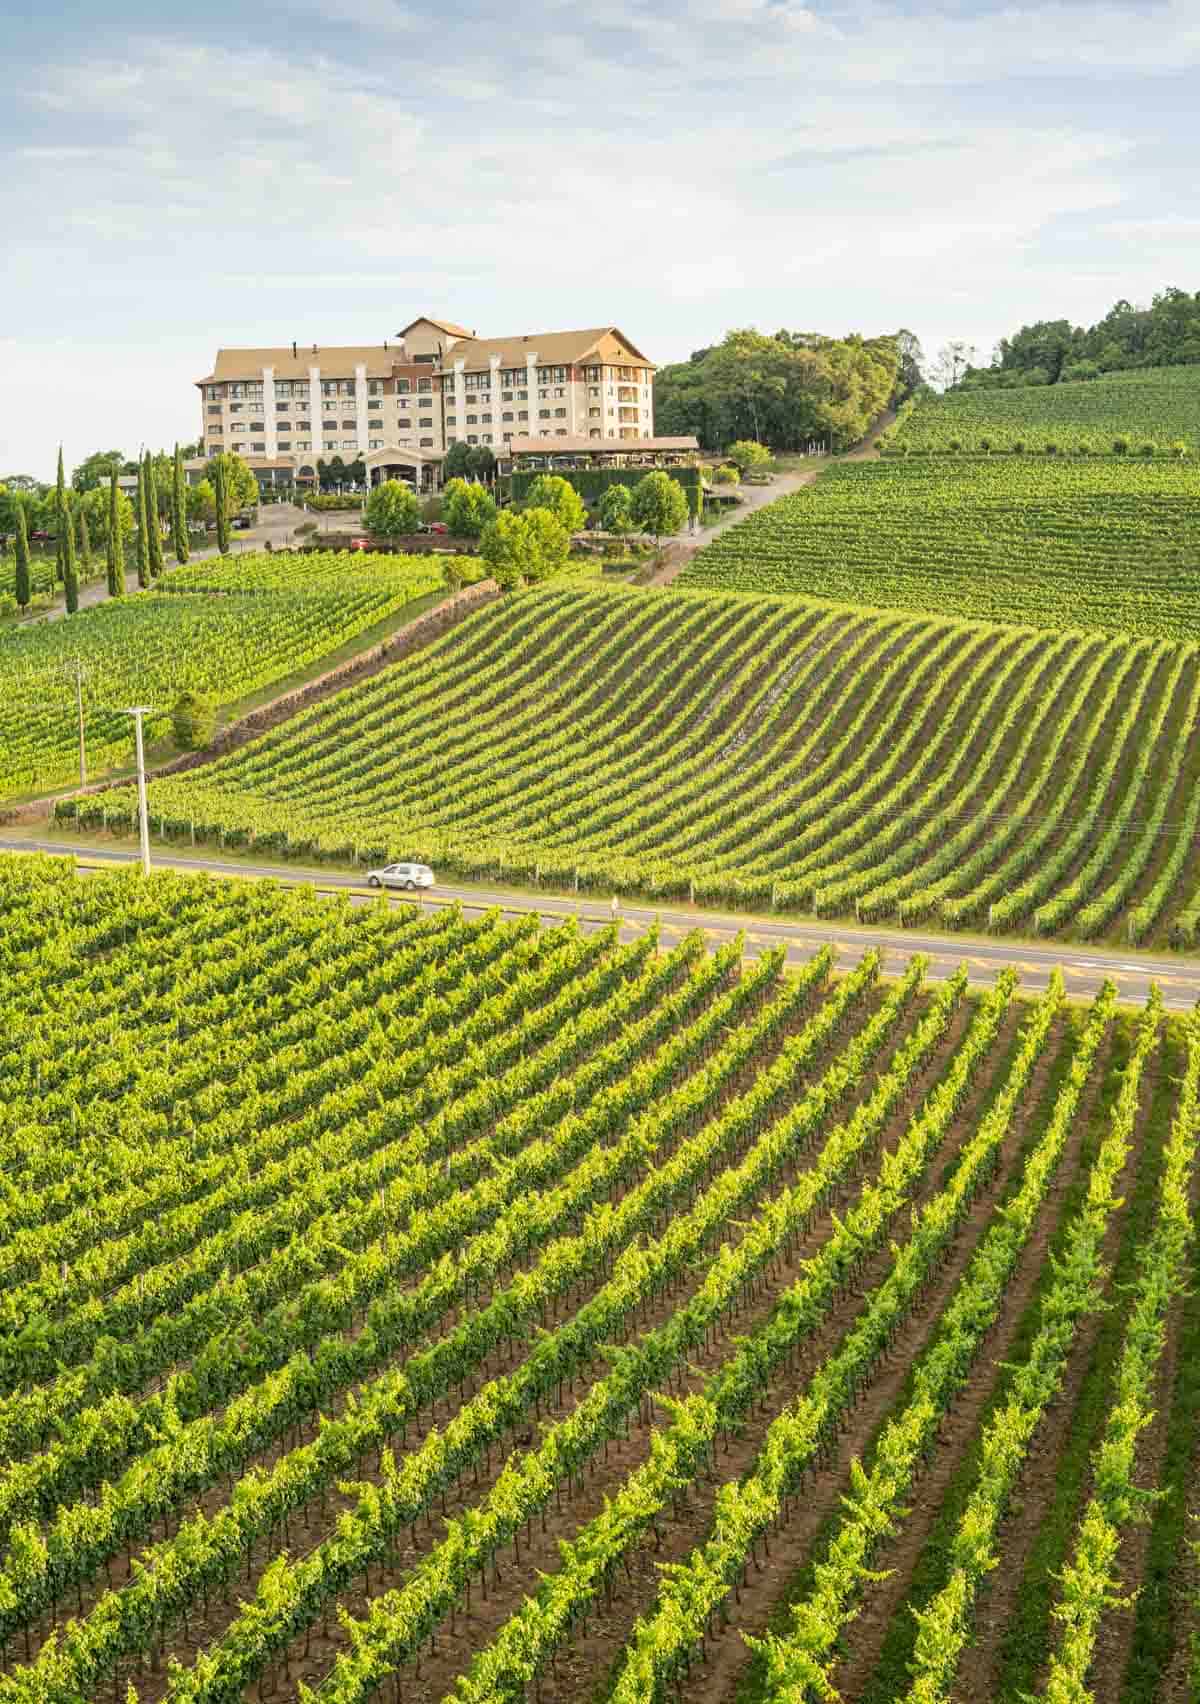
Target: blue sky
178 178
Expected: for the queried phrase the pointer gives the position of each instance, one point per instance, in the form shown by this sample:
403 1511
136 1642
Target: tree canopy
241 487
93 470
1166 334
393 510
783 391
530 545
659 505
551 491
467 508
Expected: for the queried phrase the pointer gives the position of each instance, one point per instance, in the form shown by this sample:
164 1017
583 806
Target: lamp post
137 712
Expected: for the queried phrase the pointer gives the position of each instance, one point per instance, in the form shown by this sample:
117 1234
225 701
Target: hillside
224 627
1112 544
1159 406
748 750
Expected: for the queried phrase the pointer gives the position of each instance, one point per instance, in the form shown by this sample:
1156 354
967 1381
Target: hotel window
376 444
303 444
543 414
543 395
374 403
346 387
214 408
472 419
329 425
402 402
238 426
559 391
403 385
328 387
424 384
259 447
507 415
349 443
283 407
506 396
552 375
522 414
426 422
593 414
595 432
284 444
593 373
472 438
593 390
426 443
215 447
212 392
237 390
560 414
486 419
487 437
522 396
451 420
303 425
374 387
235 407
348 425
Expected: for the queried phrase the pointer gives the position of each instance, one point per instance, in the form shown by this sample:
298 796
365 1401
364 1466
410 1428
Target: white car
401 876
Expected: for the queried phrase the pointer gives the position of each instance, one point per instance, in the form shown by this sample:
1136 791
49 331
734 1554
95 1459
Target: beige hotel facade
399 405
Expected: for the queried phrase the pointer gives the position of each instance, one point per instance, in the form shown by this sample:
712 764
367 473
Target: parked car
41 536
401 876
243 523
360 544
433 527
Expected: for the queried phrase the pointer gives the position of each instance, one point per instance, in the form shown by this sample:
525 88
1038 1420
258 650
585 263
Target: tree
85 543
241 487
70 568
530 544
457 464
179 543
154 529
393 510
911 375
114 545
659 505
221 493
202 501
726 475
746 455
94 470
616 510
547 544
481 463
23 585
193 721
467 508
143 529
551 491
61 523
953 361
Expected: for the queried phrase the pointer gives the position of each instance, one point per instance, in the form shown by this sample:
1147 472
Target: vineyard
1158 405
751 751
1112 545
404 1307
224 628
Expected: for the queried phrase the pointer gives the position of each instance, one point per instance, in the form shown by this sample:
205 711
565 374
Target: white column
531 387
360 406
315 408
460 399
268 385
494 390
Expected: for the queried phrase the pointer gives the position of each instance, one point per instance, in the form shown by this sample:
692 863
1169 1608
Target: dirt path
681 550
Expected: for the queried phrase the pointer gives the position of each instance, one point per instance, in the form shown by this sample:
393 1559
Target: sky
175 179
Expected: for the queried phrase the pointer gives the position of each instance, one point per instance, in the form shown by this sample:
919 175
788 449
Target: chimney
385 344
293 349
314 348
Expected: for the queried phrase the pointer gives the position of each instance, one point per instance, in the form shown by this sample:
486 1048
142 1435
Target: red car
359 543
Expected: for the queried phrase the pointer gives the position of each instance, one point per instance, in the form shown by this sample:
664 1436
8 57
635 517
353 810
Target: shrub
726 475
1019 447
746 454
1051 449
549 491
1148 450
985 444
193 721
955 444
468 509
393 510
1120 446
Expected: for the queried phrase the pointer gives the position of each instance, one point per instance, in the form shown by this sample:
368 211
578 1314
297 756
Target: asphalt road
1083 968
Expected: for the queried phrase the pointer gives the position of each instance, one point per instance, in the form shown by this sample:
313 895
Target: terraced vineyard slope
389 1296
1111 544
223 627
1154 405
754 751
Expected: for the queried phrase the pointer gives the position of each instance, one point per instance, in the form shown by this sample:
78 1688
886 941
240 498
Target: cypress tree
143 547
70 567
154 532
220 489
23 587
115 561
62 524
85 544
179 542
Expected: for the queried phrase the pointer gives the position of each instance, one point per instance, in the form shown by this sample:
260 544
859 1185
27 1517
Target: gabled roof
552 348
333 361
442 325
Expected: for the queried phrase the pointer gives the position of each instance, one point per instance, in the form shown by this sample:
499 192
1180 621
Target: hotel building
400 405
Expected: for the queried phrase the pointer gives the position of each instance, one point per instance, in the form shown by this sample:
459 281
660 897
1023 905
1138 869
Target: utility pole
137 712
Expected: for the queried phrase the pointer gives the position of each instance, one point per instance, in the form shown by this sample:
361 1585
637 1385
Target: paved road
1084 969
